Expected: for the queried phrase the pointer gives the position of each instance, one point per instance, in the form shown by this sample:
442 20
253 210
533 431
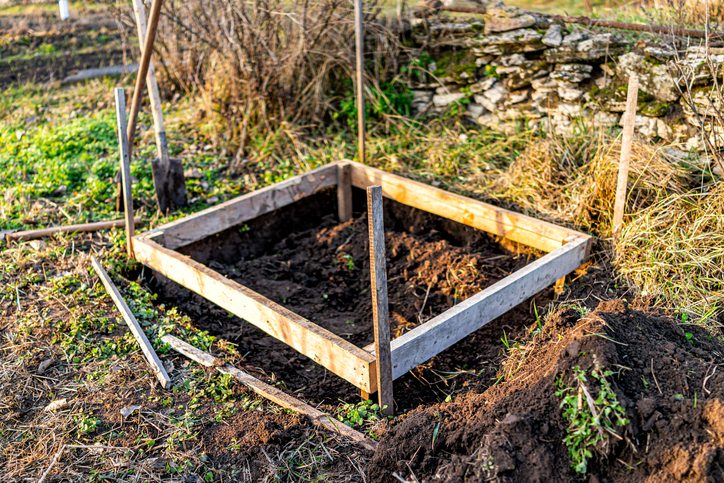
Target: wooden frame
567 250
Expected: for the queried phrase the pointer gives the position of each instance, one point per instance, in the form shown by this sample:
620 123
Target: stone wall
511 66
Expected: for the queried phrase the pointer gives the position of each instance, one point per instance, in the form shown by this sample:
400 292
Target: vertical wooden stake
378 268
359 34
125 166
344 192
626 141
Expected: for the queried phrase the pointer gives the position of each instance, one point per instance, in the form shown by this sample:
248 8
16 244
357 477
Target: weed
359 414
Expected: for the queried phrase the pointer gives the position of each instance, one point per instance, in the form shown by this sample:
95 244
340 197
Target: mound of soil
665 379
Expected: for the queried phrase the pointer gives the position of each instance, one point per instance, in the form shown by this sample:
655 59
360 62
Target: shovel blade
168 179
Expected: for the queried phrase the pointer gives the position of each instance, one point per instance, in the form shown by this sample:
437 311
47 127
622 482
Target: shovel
168 176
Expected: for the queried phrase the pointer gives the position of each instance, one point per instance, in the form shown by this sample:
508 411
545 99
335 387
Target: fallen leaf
128 410
56 405
44 365
38 245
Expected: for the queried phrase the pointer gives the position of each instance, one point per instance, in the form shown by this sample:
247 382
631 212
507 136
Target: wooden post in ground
344 192
359 34
146 347
125 166
378 267
626 141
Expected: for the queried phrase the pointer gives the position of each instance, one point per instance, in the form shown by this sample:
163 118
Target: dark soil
319 269
665 378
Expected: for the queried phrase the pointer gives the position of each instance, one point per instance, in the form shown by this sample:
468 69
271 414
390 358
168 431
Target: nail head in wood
380 310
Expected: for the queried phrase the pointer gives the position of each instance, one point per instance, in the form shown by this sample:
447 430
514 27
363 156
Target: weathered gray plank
125 162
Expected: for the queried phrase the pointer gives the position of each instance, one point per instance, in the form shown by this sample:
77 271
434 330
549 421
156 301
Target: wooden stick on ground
359 34
125 167
81 228
269 392
629 120
146 347
344 192
378 267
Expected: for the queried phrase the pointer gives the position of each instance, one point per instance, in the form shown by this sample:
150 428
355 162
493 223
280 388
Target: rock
553 37
604 119
573 348
489 120
569 110
60 191
569 94
575 37
212 200
517 97
579 47
503 18
510 60
529 70
495 94
574 73
523 40
474 110
650 127
656 80
698 64
446 99
603 82
38 245
442 90
545 84
484 60
661 52
707 102
44 366
646 407
483 85
485 102
421 100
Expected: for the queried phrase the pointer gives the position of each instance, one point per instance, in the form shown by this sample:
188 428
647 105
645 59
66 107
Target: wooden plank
146 347
271 393
380 306
514 226
629 119
325 348
125 162
80 228
344 192
436 335
218 218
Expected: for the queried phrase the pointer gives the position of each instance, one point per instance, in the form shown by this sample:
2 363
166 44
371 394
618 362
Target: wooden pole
81 228
269 392
143 69
146 347
378 276
344 192
152 86
359 34
626 141
125 166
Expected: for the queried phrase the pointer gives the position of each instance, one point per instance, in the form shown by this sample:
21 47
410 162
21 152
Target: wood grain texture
325 348
146 347
80 228
380 304
429 339
629 120
247 207
344 192
513 226
125 162
271 393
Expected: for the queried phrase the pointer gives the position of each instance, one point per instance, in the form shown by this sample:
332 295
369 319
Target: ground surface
494 407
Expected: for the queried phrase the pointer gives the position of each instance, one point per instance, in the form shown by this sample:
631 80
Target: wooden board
247 207
434 336
513 226
344 192
325 348
125 167
380 308
146 347
271 393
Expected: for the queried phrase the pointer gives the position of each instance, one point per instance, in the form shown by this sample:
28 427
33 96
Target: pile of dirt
664 378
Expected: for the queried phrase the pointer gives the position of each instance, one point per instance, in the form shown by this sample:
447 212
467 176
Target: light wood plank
629 120
504 223
380 306
136 329
434 336
218 218
327 349
271 393
80 228
359 30
344 192
125 162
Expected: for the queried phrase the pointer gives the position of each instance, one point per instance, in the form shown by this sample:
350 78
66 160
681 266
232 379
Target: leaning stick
629 120
152 86
143 69
81 228
359 34
146 347
269 392
125 167
380 310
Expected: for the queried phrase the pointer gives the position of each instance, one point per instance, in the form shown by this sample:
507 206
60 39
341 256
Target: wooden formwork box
566 250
